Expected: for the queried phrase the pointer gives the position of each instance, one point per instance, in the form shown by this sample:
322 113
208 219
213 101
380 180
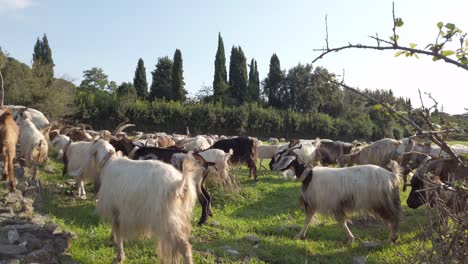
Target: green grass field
267 209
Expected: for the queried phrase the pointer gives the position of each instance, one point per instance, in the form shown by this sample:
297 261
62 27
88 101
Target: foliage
126 88
139 81
161 87
220 85
272 84
178 91
95 79
238 77
254 82
43 64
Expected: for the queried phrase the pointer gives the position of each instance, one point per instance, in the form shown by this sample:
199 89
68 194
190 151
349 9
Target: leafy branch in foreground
438 50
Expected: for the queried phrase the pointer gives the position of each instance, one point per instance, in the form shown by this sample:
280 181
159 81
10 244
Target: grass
453 142
266 209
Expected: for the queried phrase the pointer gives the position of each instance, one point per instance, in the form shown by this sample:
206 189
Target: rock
13 261
370 244
13 198
49 169
13 236
49 246
359 260
34 244
19 172
233 252
61 244
70 182
225 247
11 250
39 256
253 239
50 226
21 186
6 211
256 246
30 192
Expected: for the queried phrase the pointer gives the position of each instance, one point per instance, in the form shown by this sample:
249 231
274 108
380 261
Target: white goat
337 191
59 143
194 144
33 145
147 199
267 152
378 153
37 117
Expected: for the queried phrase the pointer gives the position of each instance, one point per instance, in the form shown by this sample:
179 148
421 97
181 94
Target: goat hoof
4 176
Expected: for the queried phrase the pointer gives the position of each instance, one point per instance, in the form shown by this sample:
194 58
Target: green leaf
398 53
377 107
440 25
416 56
450 26
447 52
435 58
466 42
399 22
412 45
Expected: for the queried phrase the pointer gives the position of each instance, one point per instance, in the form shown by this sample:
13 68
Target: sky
113 35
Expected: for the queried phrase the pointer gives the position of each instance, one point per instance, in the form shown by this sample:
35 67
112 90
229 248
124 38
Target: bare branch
419 51
394 26
326 30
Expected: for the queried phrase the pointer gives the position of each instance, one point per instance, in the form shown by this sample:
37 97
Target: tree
162 80
139 81
254 82
94 79
238 76
178 90
272 85
3 61
220 85
43 64
126 88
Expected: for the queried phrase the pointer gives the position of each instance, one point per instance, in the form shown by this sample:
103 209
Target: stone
49 246
19 172
34 244
13 261
13 198
370 244
50 226
11 250
12 236
359 260
62 244
23 244
70 182
253 239
39 256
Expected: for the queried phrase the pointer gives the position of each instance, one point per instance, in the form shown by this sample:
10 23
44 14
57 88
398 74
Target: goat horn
121 128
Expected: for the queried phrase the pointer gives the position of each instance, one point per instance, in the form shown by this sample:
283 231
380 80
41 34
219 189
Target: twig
394 26
419 51
326 30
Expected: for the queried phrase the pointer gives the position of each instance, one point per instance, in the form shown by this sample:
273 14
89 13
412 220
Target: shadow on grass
69 209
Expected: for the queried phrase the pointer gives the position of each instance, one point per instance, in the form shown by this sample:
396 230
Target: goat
329 151
378 153
438 171
337 191
37 117
74 157
32 143
59 143
176 156
267 152
8 137
147 198
244 151
409 161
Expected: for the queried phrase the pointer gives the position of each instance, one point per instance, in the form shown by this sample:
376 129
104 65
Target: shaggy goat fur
338 191
147 198
379 153
8 137
32 144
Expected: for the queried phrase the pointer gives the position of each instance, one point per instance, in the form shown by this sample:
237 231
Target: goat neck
303 173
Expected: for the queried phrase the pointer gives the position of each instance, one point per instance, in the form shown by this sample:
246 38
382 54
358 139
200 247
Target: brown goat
8 137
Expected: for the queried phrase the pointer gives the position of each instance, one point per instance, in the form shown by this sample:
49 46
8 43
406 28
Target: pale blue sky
114 34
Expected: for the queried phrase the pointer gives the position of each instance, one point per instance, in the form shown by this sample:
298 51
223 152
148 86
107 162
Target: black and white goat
337 191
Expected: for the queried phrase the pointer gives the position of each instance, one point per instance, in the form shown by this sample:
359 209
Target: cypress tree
238 76
47 60
254 83
220 85
178 90
273 82
161 87
139 81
